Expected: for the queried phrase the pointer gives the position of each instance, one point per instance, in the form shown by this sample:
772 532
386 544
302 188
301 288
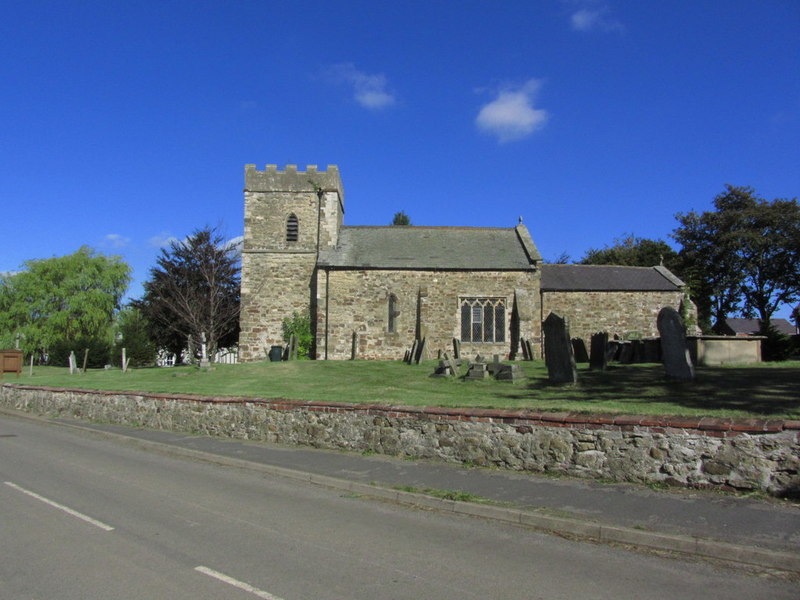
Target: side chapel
378 288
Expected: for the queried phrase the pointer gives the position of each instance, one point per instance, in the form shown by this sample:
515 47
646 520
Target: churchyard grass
763 390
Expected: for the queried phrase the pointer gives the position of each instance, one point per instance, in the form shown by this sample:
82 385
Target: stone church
372 290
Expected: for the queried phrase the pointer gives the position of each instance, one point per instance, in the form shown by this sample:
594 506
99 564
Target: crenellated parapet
271 179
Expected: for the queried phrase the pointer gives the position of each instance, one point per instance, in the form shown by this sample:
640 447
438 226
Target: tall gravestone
558 353
598 360
579 347
674 352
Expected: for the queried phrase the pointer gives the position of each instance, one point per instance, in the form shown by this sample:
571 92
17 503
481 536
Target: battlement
291 180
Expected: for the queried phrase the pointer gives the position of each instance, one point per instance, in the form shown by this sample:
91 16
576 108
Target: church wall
621 313
428 306
276 286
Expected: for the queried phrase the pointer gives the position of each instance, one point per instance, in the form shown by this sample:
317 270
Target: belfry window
391 323
292 228
483 320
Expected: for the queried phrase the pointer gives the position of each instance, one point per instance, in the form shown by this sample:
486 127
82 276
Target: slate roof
737 326
586 278
446 248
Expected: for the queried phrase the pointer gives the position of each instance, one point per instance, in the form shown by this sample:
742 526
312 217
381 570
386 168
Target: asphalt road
85 517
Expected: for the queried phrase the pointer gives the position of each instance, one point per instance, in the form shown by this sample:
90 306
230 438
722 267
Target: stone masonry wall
621 313
276 286
358 301
748 454
278 274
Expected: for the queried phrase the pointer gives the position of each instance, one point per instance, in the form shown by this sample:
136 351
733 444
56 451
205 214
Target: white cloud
235 244
368 90
511 115
115 240
162 240
595 19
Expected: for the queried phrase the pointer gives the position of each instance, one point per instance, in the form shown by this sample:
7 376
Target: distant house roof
737 326
415 247
588 278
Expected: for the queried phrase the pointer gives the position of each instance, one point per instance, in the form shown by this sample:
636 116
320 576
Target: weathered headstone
420 351
558 354
638 350
579 348
598 359
530 349
525 352
651 350
674 351
413 353
204 363
293 347
456 348
477 370
354 346
625 353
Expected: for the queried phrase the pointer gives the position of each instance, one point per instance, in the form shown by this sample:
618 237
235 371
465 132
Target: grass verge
765 390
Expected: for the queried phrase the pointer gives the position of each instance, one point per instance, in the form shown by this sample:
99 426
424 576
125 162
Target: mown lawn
764 390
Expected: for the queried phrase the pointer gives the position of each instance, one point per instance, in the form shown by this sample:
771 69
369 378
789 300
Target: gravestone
598 359
651 350
413 352
354 346
638 350
558 354
477 370
625 353
420 350
456 348
579 348
674 351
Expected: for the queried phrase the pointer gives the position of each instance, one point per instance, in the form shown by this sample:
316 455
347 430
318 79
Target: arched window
292 228
391 326
483 320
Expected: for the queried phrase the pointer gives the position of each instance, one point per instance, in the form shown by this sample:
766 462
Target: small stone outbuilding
371 291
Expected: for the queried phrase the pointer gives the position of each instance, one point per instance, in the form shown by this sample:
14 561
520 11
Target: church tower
289 217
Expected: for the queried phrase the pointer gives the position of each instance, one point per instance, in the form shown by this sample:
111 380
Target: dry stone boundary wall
730 453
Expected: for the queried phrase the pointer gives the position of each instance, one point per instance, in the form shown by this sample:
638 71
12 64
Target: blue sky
125 124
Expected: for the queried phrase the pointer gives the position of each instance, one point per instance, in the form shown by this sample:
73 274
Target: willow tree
62 300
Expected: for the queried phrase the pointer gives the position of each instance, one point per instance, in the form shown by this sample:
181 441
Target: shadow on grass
759 391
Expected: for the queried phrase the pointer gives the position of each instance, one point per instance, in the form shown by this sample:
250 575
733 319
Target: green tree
744 256
67 300
194 290
401 218
633 251
132 332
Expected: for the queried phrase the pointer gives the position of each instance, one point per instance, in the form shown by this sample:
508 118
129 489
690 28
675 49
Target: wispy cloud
512 115
115 240
593 16
370 91
162 240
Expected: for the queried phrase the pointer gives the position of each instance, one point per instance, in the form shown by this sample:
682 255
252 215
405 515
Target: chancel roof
447 248
587 278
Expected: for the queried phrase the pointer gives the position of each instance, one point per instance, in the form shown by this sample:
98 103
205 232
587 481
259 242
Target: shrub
299 325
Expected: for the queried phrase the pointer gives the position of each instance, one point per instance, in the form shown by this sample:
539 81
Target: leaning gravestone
558 354
420 351
598 360
579 348
674 352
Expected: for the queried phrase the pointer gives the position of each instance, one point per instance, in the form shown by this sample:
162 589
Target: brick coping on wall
520 418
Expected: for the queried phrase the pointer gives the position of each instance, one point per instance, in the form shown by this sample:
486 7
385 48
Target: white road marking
66 509
236 583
